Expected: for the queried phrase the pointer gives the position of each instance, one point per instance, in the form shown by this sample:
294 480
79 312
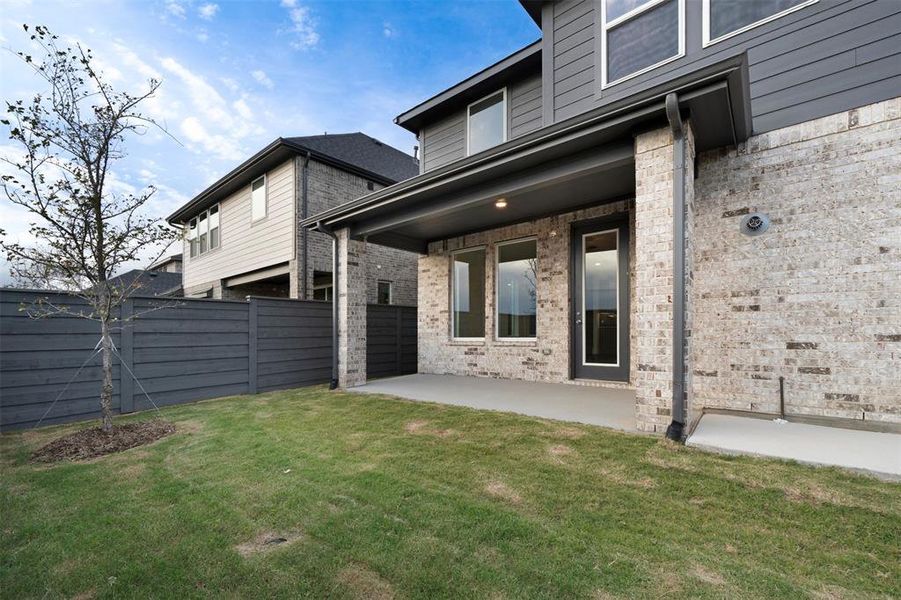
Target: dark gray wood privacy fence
192 350
390 340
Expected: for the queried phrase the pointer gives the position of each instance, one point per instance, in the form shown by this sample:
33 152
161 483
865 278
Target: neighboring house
689 198
168 264
149 282
241 234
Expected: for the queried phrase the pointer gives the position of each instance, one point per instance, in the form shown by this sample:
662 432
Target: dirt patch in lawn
363 582
420 427
93 442
502 491
708 576
266 542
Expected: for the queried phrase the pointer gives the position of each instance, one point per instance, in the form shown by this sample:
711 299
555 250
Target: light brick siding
547 358
653 326
816 299
329 187
352 299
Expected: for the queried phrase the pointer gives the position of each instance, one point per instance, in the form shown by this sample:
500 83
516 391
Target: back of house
697 200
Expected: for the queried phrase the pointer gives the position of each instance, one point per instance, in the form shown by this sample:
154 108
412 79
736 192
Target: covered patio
606 407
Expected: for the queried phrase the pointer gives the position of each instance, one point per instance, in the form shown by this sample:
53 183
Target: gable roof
149 283
364 152
356 153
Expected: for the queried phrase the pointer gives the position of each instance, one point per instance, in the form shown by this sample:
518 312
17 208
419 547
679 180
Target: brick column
654 273
351 294
294 276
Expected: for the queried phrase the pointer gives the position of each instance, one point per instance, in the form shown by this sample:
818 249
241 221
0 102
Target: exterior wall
269 242
817 298
445 140
545 359
827 57
246 246
329 187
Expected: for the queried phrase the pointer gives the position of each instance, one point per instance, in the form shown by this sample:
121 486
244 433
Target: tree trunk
106 390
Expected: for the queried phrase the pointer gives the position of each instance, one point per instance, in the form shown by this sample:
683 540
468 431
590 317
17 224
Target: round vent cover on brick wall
754 224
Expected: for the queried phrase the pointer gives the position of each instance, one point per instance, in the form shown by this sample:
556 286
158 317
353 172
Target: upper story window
384 292
258 198
640 35
203 232
725 18
486 122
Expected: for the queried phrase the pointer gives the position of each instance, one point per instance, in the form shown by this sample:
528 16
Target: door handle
578 321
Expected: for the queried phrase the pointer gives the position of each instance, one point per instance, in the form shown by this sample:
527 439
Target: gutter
677 426
304 235
333 384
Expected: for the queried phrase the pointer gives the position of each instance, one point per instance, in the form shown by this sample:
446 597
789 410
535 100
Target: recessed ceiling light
501 203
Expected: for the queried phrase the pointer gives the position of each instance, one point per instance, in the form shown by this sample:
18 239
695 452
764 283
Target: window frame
453 308
329 291
705 22
617 364
265 198
196 219
390 292
503 92
635 12
497 290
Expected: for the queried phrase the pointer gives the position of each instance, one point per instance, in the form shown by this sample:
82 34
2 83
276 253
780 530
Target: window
517 279
258 198
468 293
486 122
639 35
725 18
203 232
322 292
384 292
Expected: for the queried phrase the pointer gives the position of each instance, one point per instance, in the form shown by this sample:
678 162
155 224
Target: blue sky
238 74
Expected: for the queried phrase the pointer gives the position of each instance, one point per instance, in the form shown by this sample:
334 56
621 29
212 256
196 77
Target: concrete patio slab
614 408
869 451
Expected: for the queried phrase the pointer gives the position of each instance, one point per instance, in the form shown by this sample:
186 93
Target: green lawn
386 498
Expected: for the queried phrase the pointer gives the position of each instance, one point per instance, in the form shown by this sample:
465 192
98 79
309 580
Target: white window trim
503 92
497 291
705 20
585 363
453 293
196 217
325 286
390 289
605 26
265 198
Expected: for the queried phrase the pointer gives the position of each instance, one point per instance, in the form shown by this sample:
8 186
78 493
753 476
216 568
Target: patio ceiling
583 161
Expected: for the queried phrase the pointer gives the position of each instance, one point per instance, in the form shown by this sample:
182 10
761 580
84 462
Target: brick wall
546 358
817 298
329 187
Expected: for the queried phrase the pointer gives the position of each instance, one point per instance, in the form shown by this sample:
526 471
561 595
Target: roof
356 153
474 87
166 260
364 152
149 283
459 197
533 7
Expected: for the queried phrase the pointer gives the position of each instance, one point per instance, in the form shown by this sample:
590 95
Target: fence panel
179 350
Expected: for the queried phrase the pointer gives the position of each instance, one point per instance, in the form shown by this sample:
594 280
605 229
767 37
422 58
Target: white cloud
242 109
260 76
208 11
388 30
175 9
303 26
202 36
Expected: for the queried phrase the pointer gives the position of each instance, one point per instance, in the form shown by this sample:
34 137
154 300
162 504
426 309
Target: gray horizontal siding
190 350
828 57
444 141
524 106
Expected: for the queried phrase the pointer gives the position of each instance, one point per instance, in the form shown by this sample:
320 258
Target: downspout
320 226
675 430
304 211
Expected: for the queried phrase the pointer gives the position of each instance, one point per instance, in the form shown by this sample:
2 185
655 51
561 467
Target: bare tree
70 137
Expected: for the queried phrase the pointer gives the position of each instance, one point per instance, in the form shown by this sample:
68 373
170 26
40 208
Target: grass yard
379 498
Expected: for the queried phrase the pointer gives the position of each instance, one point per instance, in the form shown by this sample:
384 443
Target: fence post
252 318
398 314
126 353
